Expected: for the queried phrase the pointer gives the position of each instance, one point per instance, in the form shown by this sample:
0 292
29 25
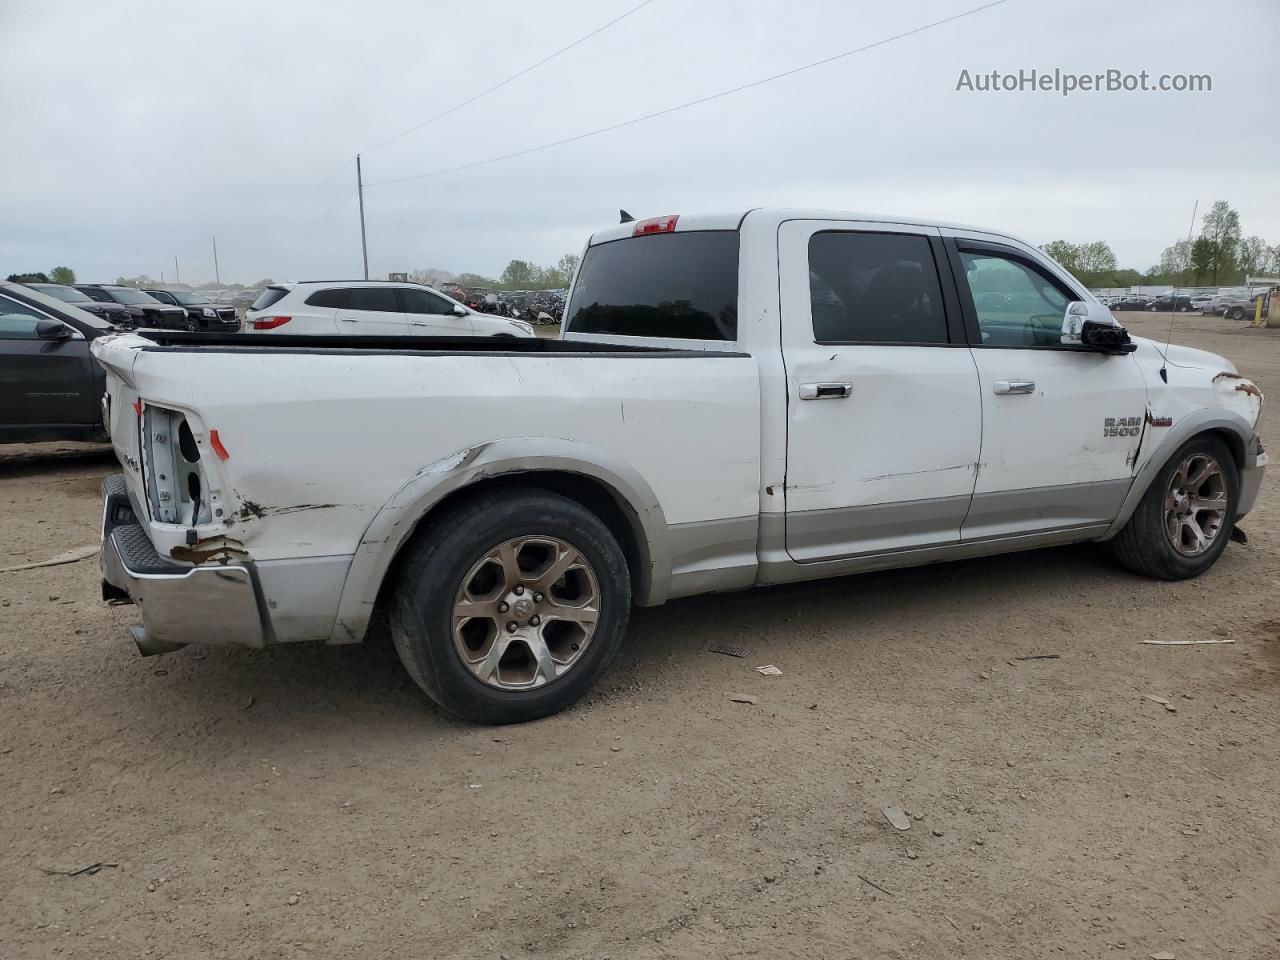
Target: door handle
1013 387
825 391
347 319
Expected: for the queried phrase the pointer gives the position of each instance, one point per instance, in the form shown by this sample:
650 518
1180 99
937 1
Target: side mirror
459 310
1092 326
52 330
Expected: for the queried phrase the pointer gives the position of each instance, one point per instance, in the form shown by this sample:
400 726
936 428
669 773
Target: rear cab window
680 286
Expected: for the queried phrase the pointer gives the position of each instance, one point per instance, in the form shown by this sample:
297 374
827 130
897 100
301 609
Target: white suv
371 308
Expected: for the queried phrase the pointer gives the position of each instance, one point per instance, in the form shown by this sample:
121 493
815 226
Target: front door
1061 424
372 312
432 316
884 422
42 382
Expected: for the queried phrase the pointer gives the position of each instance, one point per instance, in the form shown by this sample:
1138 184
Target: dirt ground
310 801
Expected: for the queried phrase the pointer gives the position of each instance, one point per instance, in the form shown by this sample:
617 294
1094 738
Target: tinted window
874 288
377 299
93 293
1017 304
327 298
67 294
267 297
17 320
130 295
424 301
163 296
681 286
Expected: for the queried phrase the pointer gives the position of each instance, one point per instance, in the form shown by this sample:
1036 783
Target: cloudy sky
137 129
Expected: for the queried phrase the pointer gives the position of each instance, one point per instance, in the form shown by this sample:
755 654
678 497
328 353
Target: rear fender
399 517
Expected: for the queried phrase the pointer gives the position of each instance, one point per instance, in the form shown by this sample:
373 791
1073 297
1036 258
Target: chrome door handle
347 319
825 391
1007 387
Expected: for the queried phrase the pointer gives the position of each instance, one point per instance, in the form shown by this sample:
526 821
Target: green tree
1175 263
1221 228
567 266
1064 252
27 278
1202 258
518 274
62 275
1253 256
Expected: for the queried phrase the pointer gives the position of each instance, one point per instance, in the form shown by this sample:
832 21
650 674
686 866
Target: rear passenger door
432 316
372 312
883 409
42 382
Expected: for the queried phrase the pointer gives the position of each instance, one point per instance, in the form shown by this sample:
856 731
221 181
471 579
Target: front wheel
1185 519
512 606
192 325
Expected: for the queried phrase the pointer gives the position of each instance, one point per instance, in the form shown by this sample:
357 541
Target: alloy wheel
525 612
1195 505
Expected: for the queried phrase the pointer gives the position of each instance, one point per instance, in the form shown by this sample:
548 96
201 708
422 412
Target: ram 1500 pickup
736 400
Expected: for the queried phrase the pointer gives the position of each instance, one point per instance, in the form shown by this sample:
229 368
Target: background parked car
1168 301
147 311
50 387
112 312
1240 308
372 309
206 314
1131 303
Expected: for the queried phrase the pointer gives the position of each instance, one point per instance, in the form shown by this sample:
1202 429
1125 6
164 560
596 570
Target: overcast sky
137 129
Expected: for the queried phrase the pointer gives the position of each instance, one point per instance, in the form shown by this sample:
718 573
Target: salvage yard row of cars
1234 306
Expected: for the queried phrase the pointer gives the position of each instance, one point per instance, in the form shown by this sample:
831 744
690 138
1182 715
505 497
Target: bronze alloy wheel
525 612
1195 505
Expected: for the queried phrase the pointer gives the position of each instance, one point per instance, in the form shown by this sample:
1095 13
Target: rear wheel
1186 516
512 606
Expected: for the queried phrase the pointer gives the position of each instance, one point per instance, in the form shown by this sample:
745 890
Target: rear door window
373 299
673 286
874 288
327 298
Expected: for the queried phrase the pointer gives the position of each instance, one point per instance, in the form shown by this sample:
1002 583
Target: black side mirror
1106 337
52 330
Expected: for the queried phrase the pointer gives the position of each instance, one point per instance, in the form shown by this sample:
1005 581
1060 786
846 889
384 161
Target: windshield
128 295
671 286
189 299
67 294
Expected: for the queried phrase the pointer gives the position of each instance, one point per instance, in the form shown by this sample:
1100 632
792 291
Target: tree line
1220 256
517 275
57 275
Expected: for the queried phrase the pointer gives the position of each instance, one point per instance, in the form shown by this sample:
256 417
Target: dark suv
220 317
114 313
147 311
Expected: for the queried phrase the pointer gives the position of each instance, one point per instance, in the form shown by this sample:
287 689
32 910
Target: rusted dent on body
1250 388
253 511
220 550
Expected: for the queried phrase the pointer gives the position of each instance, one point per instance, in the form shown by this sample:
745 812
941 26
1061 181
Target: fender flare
398 518
1202 421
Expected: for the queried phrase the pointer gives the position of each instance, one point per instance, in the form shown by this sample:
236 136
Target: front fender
1201 421
399 517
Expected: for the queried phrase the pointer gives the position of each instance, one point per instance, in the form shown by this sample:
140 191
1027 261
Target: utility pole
217 277
177 277
364 246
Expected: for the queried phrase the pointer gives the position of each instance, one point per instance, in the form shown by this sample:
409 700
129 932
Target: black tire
1152 308
1143 547
192 325
1235 313
432 573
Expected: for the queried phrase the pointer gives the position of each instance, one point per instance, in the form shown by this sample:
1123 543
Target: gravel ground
310 801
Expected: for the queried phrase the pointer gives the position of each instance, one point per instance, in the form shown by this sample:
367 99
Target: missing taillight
187 444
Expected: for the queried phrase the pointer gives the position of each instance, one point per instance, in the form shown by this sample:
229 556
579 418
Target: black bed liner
165 340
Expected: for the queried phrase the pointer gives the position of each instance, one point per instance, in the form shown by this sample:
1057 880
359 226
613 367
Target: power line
691 103
514 76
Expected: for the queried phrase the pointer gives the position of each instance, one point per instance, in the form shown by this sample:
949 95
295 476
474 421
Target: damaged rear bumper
219 604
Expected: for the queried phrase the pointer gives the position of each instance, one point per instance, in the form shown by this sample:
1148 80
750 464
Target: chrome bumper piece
217 604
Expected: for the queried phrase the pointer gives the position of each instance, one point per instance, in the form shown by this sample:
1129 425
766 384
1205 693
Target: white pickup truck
736 400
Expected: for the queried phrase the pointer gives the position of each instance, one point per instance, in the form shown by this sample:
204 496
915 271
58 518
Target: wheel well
587 491
1234 444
